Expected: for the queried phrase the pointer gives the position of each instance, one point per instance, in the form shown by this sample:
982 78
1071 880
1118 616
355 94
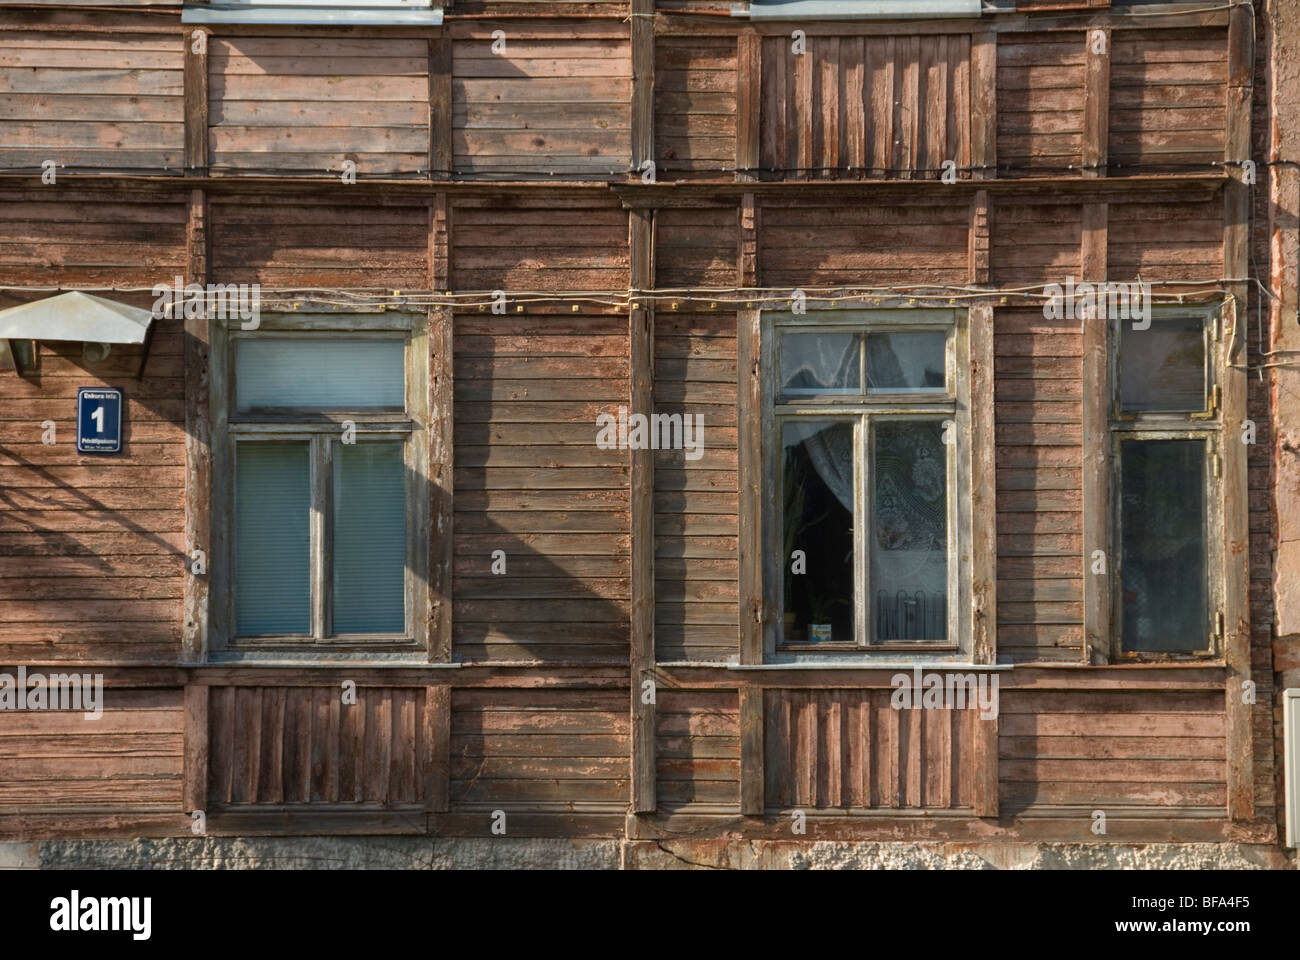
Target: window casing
320 544
865 431
1167 566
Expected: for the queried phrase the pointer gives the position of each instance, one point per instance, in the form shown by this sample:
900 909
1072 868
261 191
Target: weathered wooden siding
695 501
697 748
886 103
80 237
851 749
1040 82
695 247
127 761
539 747
530 481
278 242
91 100
518 244
305 105
1130 749
862 245
91 550
695 106
302 746
1039 456
1165 241
557 99
1167 96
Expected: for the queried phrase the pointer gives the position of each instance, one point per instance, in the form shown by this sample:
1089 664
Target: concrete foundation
411 853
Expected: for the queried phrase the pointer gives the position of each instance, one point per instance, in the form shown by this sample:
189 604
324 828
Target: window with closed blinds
317 474
319 373
369 548
272 539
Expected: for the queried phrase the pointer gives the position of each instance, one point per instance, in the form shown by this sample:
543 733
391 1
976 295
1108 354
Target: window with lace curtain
867 458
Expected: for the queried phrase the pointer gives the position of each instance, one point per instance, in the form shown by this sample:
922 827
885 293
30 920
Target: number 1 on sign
98 417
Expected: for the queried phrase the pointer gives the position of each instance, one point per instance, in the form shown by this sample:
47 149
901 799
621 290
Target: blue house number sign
99 420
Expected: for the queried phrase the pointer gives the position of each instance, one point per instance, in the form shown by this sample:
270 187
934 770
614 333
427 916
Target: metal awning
79 317
373 13
855 9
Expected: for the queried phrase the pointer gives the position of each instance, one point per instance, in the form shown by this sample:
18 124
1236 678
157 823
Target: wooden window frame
1205 425
320 430
861 409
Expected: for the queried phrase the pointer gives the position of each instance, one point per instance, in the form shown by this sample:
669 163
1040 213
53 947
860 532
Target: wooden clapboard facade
642 180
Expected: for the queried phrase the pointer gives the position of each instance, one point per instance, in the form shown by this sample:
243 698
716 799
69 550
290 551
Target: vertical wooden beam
441 438
749 72
979 239
196 100
641 400
1096 102
984 552
1236 529
984 104
440 153
195 763
1096 447
436 759
198 446
750 441
752 802
643 82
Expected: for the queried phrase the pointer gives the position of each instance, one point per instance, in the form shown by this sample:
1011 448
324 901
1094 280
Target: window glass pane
344 374
817 483
909 543
906 361
1163 592
820 363
272 539
369 538
1163 367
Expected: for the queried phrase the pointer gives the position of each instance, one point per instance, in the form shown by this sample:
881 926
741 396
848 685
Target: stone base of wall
415 853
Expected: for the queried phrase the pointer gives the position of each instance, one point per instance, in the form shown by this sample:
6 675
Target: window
1165 477
319 477
864 423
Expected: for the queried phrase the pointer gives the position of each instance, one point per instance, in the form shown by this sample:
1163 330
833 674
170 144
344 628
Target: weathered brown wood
751 752
641 352
749 393
1096 103
1096 451
1236 526
198 451
196 101
749 73
441 469
979 239
196 748
984 497
440 107
437 745
643 83
984 105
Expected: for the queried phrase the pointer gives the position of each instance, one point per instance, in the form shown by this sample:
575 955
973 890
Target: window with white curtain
865 432
319 471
